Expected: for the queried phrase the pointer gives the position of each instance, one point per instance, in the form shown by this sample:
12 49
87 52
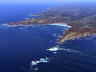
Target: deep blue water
19 47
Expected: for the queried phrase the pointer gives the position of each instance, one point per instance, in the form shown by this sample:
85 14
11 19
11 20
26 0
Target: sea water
19 46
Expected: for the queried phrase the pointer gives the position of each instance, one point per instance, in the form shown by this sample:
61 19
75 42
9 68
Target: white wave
21 25
62 24
34 64
57 48
41 60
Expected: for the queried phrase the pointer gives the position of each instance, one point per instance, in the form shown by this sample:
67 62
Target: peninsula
81 18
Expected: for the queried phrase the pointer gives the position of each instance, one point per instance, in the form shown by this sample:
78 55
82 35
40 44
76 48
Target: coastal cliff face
77 32
75 35
81 18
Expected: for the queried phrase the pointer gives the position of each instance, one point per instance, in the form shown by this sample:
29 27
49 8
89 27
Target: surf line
62 37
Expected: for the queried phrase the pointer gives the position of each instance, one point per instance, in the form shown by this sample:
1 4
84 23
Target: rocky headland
82 19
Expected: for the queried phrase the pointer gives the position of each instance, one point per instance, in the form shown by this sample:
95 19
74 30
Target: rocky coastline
82 25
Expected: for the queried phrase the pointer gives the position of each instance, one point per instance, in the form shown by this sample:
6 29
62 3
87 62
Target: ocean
19 46
17 12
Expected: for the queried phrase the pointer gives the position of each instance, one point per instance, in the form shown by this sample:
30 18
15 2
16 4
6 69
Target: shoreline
70 34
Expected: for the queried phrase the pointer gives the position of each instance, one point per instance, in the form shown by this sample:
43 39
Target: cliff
71 35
